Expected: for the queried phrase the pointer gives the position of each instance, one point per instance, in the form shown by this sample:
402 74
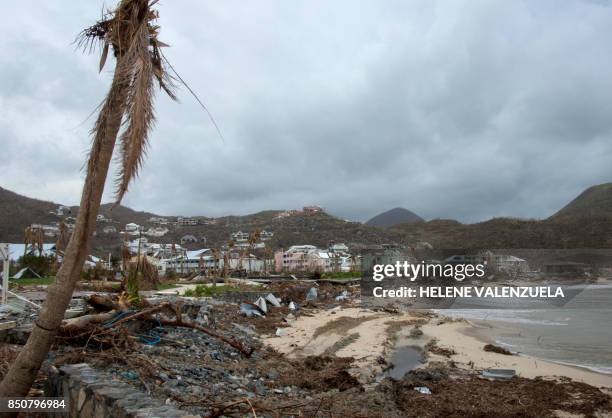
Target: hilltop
570 232
394 217
594 201
288 227
575 226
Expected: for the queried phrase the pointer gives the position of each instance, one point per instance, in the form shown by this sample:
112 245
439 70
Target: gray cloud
466 109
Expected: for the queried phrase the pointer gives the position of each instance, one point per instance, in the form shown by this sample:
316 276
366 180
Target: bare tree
130 32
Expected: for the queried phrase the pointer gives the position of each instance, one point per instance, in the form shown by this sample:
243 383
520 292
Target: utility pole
6 257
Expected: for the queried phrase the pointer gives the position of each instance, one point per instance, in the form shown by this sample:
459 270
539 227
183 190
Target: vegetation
342 275
208 291
41 264
32 281
165 286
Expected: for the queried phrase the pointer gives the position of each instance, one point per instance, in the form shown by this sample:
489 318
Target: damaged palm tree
141 275
130 33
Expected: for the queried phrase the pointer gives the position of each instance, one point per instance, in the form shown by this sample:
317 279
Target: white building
60 211
188 239
47 230
156 232
109 229
240 236
132 227
265 235
139 245
510 264
158 220
338 248
186 221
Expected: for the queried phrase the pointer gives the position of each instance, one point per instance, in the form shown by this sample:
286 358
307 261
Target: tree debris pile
470 395
327 293
191 365
204 356
457 394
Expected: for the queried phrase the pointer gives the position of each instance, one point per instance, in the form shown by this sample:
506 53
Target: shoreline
467 339
492 325
369 336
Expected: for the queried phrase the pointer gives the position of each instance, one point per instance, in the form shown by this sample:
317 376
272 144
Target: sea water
578 333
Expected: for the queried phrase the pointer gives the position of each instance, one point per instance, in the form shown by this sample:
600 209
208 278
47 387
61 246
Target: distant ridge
594 201
395 216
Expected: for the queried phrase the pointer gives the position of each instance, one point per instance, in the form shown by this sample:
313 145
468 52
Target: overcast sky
453 109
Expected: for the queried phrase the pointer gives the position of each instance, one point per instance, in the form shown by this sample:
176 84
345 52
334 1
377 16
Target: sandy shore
367 336
352 332
467 340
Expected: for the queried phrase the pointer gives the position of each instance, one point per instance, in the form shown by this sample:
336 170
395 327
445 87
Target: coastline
368 335
467 339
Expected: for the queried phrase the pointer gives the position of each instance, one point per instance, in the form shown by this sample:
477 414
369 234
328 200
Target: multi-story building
186 221
303 258
240 236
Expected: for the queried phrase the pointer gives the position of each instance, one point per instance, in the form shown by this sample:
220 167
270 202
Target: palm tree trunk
22 373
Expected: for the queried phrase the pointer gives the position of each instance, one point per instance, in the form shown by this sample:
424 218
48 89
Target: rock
197 390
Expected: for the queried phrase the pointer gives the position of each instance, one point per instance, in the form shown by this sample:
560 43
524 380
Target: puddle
404 359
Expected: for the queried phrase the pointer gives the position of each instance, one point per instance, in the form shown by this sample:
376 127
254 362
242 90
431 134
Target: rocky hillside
289 227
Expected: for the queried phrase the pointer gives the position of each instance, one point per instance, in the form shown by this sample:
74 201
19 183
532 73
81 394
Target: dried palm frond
130 31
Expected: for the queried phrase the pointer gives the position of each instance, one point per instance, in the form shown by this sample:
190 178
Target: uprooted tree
130 33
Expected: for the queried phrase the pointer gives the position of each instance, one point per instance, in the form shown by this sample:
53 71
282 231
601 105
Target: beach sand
468 339
367 336
353 332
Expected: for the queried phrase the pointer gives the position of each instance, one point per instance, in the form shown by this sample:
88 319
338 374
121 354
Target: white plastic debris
280 332
499 373
293 306
312 295
273 300
261 304
342 296
423 389
250 310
